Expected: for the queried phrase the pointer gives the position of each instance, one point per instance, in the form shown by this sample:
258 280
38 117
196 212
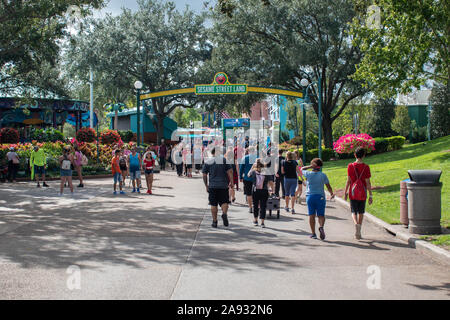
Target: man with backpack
358 182
220 180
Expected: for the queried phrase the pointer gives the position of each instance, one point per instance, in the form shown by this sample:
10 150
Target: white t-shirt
11 155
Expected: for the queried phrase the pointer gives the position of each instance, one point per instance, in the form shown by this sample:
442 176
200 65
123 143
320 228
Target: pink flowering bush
349 143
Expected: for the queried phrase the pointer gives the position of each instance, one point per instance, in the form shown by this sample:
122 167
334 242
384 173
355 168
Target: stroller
273 203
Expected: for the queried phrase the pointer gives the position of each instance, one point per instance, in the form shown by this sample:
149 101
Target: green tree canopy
279 43
29 43
410 46
158 45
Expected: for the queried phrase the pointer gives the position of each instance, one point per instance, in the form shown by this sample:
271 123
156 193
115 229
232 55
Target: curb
431 250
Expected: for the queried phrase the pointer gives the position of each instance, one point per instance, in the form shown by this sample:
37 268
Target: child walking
117 173
149 163
134 164
358 182
315 195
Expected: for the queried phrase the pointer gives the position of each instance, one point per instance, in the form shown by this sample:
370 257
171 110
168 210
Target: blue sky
114 6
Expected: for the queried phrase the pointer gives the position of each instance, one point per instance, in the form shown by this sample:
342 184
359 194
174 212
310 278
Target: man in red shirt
358 183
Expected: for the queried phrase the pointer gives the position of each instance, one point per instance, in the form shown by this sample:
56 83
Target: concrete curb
431 250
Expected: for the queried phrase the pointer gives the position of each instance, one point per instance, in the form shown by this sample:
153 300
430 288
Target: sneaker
255 223
81 185
250 210
263 225
225 220
150 192
121 192
313 236
134 191
322 233
38 185
358 232
46 185
115 193
287 209
293 211
214 224
138 190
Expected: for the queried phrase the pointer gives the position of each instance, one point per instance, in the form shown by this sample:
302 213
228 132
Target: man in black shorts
220 179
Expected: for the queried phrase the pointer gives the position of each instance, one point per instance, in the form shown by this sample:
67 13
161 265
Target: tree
268 43
401 124
29 43
157 45
382 114
440 114
410 46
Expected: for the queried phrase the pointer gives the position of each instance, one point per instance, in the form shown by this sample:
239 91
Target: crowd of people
222 173
290 175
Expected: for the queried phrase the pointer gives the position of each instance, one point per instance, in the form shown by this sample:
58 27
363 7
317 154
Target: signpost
221 85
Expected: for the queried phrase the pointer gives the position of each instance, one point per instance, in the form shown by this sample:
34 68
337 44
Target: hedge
395 143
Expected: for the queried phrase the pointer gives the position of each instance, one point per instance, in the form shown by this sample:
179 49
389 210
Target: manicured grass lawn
390 168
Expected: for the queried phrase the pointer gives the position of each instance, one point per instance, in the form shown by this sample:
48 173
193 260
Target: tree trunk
327 130
160 128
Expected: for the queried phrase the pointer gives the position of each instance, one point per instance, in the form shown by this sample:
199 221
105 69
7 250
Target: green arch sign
221 85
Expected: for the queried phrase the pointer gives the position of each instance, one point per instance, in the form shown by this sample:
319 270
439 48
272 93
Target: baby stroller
273 203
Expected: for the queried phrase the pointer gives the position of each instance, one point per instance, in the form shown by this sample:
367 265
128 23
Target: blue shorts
290 186
117 177
316 204
66 173
39 169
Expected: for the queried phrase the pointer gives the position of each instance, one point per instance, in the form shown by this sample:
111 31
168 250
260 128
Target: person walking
38 164
358 183
13 164
78 165
162 153
298 193
123 165
279 176
218 177
135 164
289 170
66 161
315 195
148 166
260 192
245 166
117 173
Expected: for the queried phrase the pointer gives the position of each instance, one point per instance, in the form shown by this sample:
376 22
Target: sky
114 6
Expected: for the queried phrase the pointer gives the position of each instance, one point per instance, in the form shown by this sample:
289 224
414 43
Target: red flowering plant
86 135
349 143
111 137
9 135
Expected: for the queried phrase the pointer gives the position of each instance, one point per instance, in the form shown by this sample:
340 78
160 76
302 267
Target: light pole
305 83
138 86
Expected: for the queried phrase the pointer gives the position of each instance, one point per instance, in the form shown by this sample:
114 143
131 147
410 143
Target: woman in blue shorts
315 195
289 170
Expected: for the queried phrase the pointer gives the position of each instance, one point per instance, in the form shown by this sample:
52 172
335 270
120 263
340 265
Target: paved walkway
162 247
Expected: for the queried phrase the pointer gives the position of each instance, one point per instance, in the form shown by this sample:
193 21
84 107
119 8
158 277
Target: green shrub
327 154
381 145
46 135
312 141
418 134
296 141
395 143
126 136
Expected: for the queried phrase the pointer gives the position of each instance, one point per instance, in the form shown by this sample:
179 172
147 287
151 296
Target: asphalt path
94 245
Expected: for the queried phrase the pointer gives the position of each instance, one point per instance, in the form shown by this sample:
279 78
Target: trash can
404 202
424 201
